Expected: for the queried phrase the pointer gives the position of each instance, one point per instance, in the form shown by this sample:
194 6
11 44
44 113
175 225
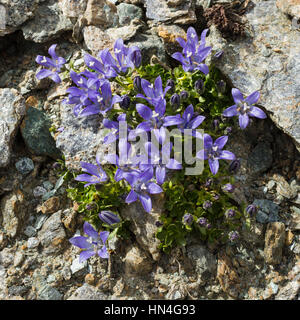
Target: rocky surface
267 59
36 219
12 110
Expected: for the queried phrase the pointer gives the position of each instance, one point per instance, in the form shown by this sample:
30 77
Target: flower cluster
144 174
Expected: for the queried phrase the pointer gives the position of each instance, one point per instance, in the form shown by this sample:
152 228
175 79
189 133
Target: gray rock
16 13
30 231
32 243
81 139
17 290
40 220
48 23
36 135
13 212
73 8
52 236
88 292
143 225
295 221
150 44
260 159
77 266
204 262
49 293
19 258
25 165
38 191
6 257
267 211
163 11
12 110
128 12
289 291
249 69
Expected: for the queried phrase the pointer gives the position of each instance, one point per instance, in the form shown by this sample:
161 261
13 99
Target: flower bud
91 206
158 224
199 86
233 235
208 182
219 54
136 58
109 217
221 86
228 187
56 165
228 130
207 204
216 197
137 83
171 83
215 124
208 226
175 100
234 166
230 213
251 209
125 103
188 219
184 95
202 221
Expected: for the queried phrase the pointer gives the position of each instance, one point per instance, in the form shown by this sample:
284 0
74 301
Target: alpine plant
145 174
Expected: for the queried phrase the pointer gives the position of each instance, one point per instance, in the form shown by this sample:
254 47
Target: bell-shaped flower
141 184
244 108
94 173
213 152
93 244
53 65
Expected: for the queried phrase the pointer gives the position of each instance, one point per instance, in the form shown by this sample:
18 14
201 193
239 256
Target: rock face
274 242
227 276
266 60
205 262
48 23
12 212
88 292
143 226
12 110
81 138
137 263
16 13
52 235
290 7
181 12
35 132
267 211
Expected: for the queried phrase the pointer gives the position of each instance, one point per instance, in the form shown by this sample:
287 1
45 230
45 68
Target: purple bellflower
188 219
93 245
159 160
194 53
94 173
154 93
141 184
213 152
126 163
191 121
244 108
114 126
53 65
109 217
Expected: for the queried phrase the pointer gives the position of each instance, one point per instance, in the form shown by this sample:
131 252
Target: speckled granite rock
81 138
12 110
266 60
48 23
181 12
290 7
16 13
